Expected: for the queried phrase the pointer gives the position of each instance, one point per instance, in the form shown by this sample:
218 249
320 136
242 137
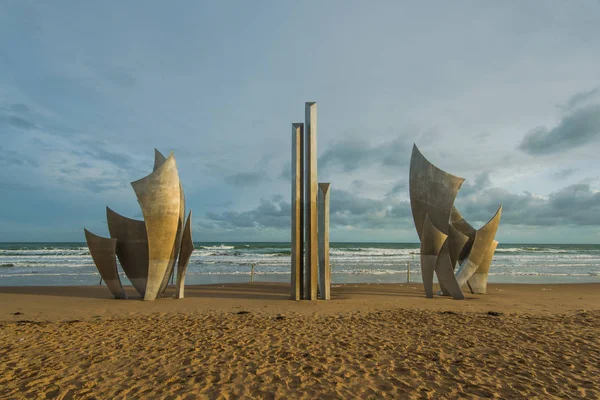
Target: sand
250 341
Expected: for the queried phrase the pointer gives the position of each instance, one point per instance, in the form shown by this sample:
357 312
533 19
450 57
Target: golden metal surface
297 211
103 251
132 247
187 248
481 245
324 265
312 242
478 281
160 199
432 240
432 191
445 273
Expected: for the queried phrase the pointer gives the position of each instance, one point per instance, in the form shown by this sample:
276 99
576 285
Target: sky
505 94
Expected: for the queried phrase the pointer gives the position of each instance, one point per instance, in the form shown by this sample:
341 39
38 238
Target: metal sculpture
432 191
432 240
305 220
132 248
103 251
297 211
187 247
312 188
447 239
148 249
478 281
482 243
324 266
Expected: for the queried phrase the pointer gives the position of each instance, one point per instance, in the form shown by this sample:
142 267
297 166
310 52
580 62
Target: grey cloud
16 186
252 178
399 187
358 185
274 213
116 75
10 157
347 209
576 205
481 181
573 205
348 153
394 153
246 178
99 151
564 173
17 116
19 122
353 153
581 98
286 172
574 130
99 186
19 108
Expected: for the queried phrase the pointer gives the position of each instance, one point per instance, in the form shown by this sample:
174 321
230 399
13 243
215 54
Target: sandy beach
249 340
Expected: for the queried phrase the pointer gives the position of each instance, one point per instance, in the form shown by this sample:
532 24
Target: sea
66 264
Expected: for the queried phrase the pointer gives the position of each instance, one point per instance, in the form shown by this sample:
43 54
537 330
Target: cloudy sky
503 93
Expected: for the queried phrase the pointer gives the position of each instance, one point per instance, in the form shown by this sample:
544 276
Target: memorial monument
310 248
148 250
447 240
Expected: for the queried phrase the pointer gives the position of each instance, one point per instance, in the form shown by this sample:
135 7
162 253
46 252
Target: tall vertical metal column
324 266
297 211
312 245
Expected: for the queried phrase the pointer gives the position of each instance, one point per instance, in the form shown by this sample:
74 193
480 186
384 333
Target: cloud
274 213
286 172
564 173
246 178
347 210
252 178
580 98
17 116
99 185
481 181
96 150
10 157
576 129
49 153
399 187
19 108
350 154
576 204
350 210
116 75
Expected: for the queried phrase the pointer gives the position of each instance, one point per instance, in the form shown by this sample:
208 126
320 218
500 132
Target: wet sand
249 340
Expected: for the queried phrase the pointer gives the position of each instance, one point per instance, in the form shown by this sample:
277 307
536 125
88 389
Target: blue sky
503 93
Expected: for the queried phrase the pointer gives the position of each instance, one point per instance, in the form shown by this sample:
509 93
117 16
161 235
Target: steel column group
307 240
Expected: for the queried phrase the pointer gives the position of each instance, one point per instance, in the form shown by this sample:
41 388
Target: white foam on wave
532 273
219 247
50 274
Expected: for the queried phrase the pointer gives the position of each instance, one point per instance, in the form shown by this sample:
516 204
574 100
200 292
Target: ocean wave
536 250
369 271
43 253
21 264
219 247
534 273
249 272
36 273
